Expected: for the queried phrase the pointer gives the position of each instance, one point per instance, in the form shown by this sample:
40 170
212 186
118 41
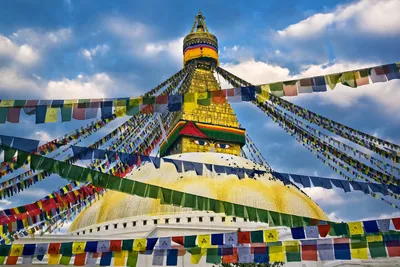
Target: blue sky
77 49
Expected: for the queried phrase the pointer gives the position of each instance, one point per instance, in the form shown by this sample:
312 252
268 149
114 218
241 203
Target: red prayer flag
396 223
13 115
115 245
162 99
178 239
12 260
231 258
78 113
230 92
147 109
219 96
309 252
393 248
243 237
80 259
324 229
54 248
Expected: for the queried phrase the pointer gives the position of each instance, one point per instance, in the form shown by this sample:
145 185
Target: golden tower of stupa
206 133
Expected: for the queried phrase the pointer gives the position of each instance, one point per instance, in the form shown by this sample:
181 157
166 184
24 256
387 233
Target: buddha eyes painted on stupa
211 143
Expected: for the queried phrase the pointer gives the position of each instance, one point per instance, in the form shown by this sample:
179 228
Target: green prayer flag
252 214
139 189
127 185
189 201
257 236
293 256
190 241
65 260
341 228
287 220
152 191
22 157
229 209
148 100
274 219
2 260
277 89
66 113
4 250
263 215
377 250
3 115
239 210
177 198
127 244
132 259
66 249
212 256
165 197
9 154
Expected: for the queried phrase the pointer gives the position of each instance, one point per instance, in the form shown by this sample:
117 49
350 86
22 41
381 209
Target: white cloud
34 193
394 214
41 39
96 86
126 29
23 54
171 47
257 72
98 50
42 135
323 196
4 203
336 218
12 79
370 16
236 52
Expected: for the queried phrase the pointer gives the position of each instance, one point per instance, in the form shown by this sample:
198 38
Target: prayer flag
348 79
213 256
203 241
172 257
219 96
332 80
384 225
158 257
217 239
13 115
189 102
244 254
311 231
324 229
290 88
325 249
261 255
132 259
103 246
370 226
230 238
309 250
234 95
319 84
230 258
392 71
355 228
377 75
80 259
257 236
105 259
359 249
305 86
79 109
12 260
361 77
298 233
164 243
271 235
276 253
243 237
65 260
16 250
396 223
197 253
54 259
342 249
265 91
174 102
119 258
393 248
190 241
277 89
139 244
292 250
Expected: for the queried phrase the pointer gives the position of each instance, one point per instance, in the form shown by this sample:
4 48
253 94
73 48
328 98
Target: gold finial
199 23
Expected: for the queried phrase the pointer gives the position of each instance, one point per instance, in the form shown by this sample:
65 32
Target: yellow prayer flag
119 258
139 244
78 247
6 103
51 115
195 258
291 246
356 228
265 91
54 259
276 254
203 241
271 235
359 253
374 238
16 250
189 102
261 99
136 101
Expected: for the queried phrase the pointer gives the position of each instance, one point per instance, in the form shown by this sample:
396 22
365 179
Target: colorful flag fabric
342 249
271 235
319 84
277 89
311 231
356 228
361 77
164 243
172 257
359 249
348 79
332 80
292 249
139 244
305 86
378 75
325 249
230 239
384 225
213 256
276 253
158 257
392 71
244 254
290 88
203 241
298 233
217 239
